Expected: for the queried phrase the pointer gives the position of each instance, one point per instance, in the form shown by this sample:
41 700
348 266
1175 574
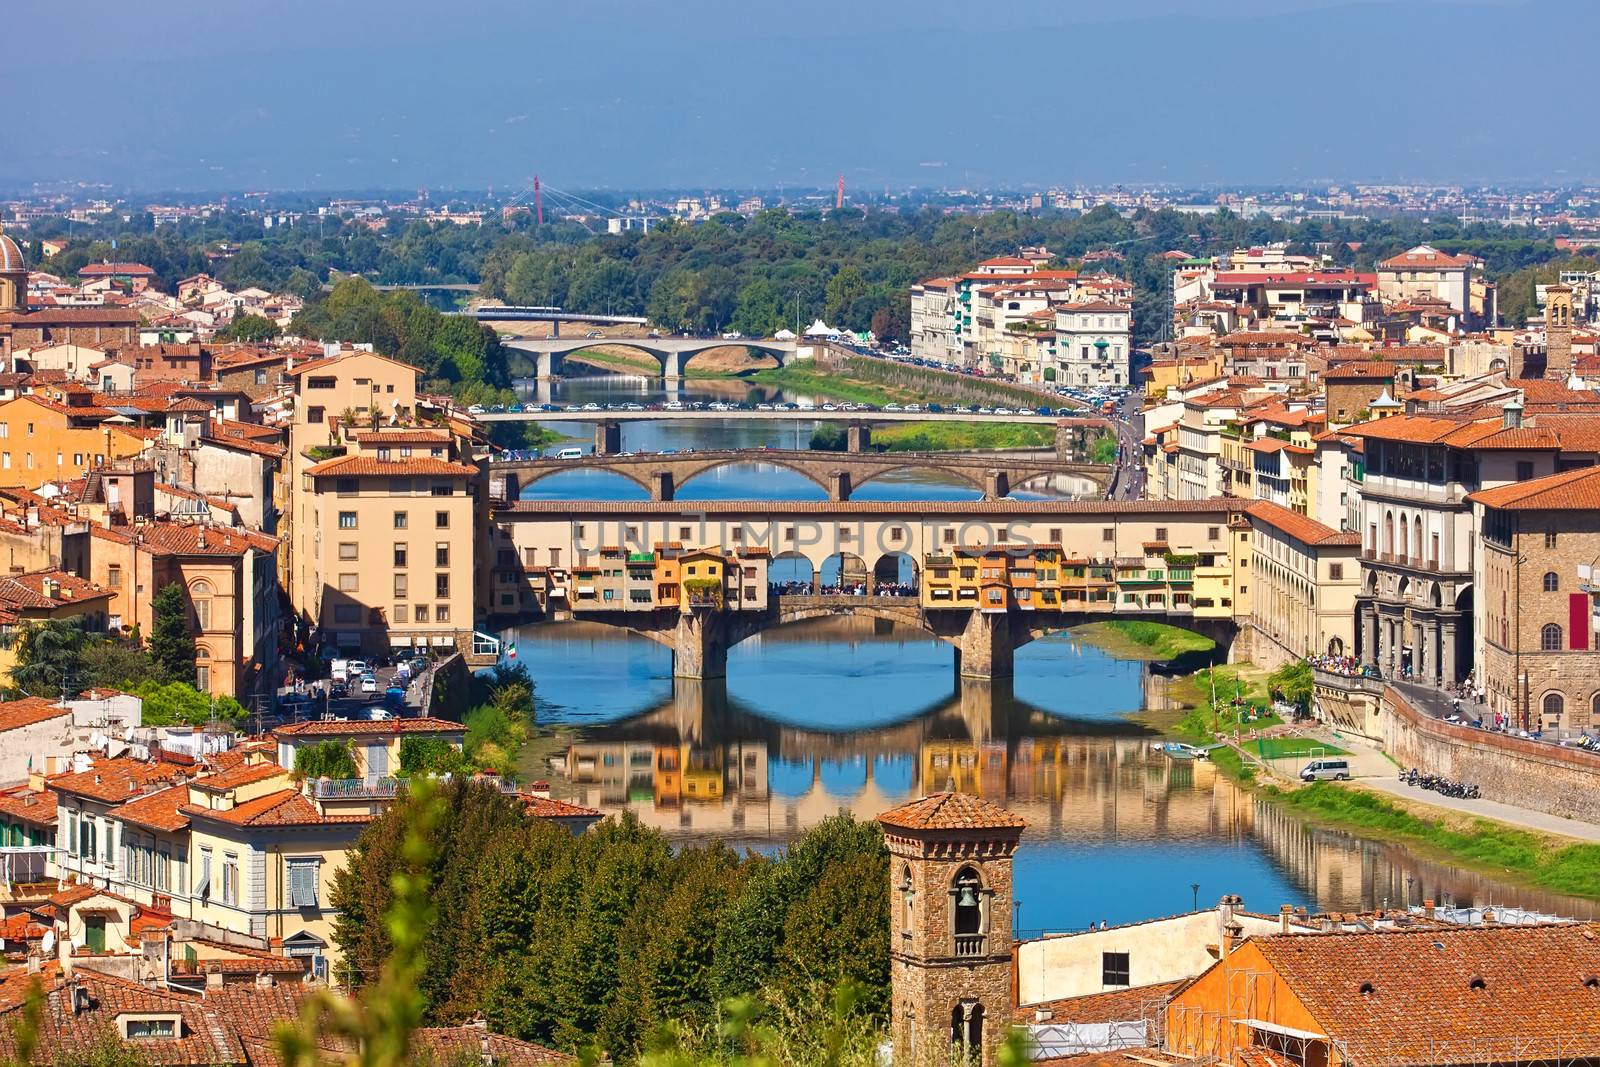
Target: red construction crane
838 197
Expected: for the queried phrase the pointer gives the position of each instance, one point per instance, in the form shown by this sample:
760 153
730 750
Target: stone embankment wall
1530 774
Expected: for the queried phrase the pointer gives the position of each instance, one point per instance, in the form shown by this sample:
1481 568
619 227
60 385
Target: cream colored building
1304 578
382 536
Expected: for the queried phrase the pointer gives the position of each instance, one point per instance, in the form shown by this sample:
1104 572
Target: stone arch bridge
995 474
549 354
985 642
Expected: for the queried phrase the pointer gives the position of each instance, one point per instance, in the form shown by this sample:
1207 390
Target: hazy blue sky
316 94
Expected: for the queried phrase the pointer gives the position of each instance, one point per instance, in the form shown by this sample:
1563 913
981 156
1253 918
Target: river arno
855 715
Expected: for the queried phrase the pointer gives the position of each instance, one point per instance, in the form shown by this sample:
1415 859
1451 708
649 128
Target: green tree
845 289
50 658
179 703
1294 682
251 329
325 759
171 644
430 755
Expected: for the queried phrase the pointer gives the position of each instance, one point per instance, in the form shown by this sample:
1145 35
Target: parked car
1319 770
369 683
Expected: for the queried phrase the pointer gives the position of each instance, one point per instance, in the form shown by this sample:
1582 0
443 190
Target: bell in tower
950 946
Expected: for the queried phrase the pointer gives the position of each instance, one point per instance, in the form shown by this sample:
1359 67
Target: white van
570 452
1320 770
340 670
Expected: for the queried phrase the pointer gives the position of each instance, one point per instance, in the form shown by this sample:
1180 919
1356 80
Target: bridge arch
687 473
844 571
896 568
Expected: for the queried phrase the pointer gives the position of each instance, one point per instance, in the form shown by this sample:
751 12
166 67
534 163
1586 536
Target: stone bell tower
1558 332
950 906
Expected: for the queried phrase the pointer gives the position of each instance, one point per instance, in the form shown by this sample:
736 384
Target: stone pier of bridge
985 643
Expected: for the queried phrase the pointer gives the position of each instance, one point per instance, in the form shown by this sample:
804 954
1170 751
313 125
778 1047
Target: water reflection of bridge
701 765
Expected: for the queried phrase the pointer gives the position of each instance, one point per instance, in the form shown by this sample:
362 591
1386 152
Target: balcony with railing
969 945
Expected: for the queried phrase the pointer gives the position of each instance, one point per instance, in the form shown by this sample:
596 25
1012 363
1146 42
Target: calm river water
858 715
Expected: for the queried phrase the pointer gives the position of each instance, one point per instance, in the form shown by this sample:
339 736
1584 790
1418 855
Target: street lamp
1194 888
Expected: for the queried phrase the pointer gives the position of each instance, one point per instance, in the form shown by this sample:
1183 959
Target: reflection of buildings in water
701 766
1348 873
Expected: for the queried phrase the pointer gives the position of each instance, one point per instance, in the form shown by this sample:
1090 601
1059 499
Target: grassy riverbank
808 381
950 436
1539 860
1150 640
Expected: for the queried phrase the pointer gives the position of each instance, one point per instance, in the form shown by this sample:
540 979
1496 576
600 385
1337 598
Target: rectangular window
302 883
1161 533
442 489
230 878
1550 539
420 612
441 613
347 583
441 554
347 520
441 520
401 614
1108 533
1114 968
202 613
347 550
401 585
400 520
1524 470
346 486
202 876
400 554
1336 572
398 486
441 585
114 576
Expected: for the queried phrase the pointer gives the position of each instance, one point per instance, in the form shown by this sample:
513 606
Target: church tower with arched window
1558 332
950 938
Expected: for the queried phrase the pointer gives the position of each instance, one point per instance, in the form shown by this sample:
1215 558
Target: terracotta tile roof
286 807
30 590
69 1030
328 728
1358 370
1448 996
1575 490
15 714
62 316
366 466
951 811
158 811
404 436
937 509
1111 1006
200 539
100 270
550 808
241 774
30 805
118 780
449 1044
1298 526
1425 257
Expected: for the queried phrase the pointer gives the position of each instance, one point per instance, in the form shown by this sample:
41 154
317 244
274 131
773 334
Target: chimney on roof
213 979
1285 913
1488 916
265 981
1511 414
1427 908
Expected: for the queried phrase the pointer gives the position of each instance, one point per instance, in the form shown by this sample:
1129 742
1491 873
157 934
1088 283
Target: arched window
202 668
1550 637
966 1031
967 888
1405 539
1553 705
1388 532
1416 537
1551 582
1594 709
200 597
908 896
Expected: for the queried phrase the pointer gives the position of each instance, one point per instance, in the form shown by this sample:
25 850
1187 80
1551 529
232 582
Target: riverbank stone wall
1530 774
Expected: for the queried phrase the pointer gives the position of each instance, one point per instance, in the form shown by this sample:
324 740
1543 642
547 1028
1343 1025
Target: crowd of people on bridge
855 588
1345 666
